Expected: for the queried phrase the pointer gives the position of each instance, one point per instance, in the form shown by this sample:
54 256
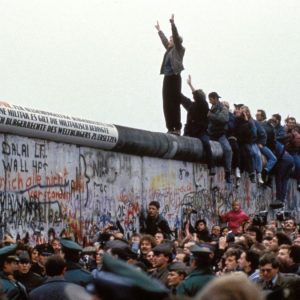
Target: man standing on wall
171 68
154 222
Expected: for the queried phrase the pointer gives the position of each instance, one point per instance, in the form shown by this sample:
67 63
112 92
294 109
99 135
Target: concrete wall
45 184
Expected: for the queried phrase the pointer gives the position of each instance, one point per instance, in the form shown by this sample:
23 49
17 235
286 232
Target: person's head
149 257
55 243
159 237
295 254
162 255
226 104
153 208
236 206
135 238
34 253
276 119
171 41
289 225
24 264
10 264
245 110
249 261
255 233
296 241
290 123
283 255
268 266
99 256
200 225
213 98
147 243
234 286
216 230
177 273
55 266
261 115
282 238
224 231
231 259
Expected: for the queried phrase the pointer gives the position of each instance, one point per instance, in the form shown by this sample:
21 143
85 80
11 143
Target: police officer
12 288
75 273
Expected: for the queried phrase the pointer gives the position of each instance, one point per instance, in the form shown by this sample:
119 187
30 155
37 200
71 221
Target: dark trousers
171 101
283 171
235 153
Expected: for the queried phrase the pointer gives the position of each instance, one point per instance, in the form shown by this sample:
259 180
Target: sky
100 59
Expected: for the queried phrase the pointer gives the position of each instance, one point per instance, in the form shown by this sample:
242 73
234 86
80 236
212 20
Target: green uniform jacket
194 282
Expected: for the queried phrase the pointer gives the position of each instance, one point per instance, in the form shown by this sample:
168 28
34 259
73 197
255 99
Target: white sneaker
259 178
237 173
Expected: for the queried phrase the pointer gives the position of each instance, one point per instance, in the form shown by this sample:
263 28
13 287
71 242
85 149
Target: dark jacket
218 121
76 274
30 280
176 53
261 134
196 119
245 131
56 288
153 225
14 290
270 132
195 282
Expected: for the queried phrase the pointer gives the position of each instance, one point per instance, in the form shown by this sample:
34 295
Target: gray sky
100 59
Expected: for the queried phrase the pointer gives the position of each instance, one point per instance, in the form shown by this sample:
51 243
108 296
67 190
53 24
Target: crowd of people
246 258
261 147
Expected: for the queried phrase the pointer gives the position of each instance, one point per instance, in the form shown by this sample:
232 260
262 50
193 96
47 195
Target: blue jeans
270 156
257 158
227 152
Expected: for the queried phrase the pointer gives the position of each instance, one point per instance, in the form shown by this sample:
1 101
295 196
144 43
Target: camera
261 218
283 215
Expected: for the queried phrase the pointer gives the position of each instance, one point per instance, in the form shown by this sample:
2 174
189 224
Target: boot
252 177
237 173
227 177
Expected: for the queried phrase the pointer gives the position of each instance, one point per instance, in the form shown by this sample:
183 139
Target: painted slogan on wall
28 121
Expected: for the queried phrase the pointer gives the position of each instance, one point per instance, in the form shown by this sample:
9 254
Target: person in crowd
74 272
55 244
159 237
161 260
155 222
293 145
56 286
235 217
201 231
171 68
44 250
271 279
177 273
215 233
231 258
197 121
24 275
289 227
10 287
289 258
248 263
201 272
218 117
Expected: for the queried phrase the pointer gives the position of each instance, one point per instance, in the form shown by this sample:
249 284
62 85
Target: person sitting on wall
154 222
197 121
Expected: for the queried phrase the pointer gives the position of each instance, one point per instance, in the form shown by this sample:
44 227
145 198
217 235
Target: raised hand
157 26
172 18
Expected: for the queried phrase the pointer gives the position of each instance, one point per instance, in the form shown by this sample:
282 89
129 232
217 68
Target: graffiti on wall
79 190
